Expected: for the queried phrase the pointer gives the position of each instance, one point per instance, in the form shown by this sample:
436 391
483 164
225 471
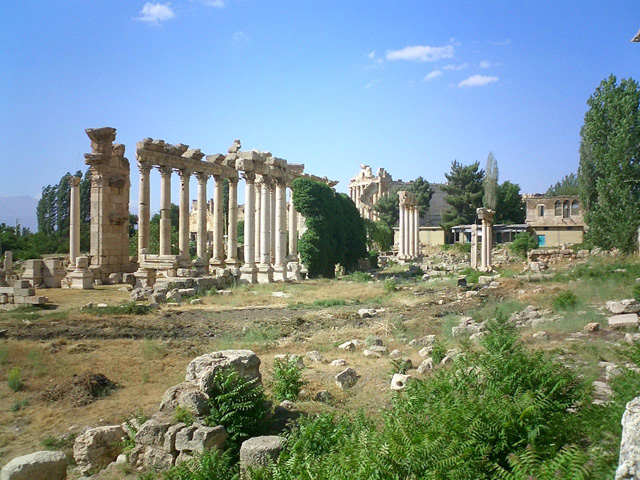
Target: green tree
490 183
379 235
388 208
464 194
511 208
568 185
335 231
610 160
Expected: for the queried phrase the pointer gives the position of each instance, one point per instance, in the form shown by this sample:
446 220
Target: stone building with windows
555 220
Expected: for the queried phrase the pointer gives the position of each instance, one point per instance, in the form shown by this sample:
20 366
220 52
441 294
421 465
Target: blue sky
406 85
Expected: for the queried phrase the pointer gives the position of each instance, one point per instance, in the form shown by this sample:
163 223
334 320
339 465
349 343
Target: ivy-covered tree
335 231
610 161
511 207
464 194
568 185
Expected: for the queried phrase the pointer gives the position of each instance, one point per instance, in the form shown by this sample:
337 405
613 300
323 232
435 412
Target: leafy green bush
389 285
14 379
400 365
636 292
373 258
129 308
565 300
471 274
439 351
522 243
287 379
358 277
209 465
19 404
238 404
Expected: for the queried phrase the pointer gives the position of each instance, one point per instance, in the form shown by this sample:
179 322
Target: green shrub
14 379
565 300
439 351
522 243
287 379
19 404
389 285
329 302
238 404
471 274
184 415
129 308
636 292
373 256
358 277
209 465
400 365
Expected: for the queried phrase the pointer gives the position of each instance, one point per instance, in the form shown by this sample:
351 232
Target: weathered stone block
98 447
624 320
202 369
43 465
629 463
152 431
186 395
259 452
347 378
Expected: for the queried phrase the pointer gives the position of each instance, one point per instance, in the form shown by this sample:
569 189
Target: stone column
401 220
217 260
483 247
474 246
201 236
417 230
489 243
7 264
257 224
273 227
280 267
411 232
74 220
183 228
407 226
293 232
248 272
265 271
143 210
232 237
165 211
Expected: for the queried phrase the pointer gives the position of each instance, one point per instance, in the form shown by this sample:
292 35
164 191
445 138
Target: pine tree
511 207
464 194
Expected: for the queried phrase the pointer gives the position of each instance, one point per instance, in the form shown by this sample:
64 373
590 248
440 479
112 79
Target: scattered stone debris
44 465
399 381
591 327
629 462
323 396
347 378
426 365
340 362
258 452
624 320
315 356
98 447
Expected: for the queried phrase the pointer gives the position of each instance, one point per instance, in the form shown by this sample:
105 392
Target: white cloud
477 81
432 75
372 55
372 83
485 64
215 3
503 43
154 13
421 53
239 37
462 66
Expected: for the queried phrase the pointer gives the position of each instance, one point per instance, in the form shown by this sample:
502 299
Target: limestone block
98 447
426 365
186 395
202 369
152 431
624 320
628 305
347 378
157 458
42 465
347 346
381 349
399 381
259 452
629 463
198 438
170 437
115 278
371 354
129 278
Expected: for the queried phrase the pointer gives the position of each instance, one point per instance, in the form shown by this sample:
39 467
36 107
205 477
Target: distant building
555 220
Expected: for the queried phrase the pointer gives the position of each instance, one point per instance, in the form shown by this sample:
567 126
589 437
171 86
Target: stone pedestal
52 273
81 278
33 271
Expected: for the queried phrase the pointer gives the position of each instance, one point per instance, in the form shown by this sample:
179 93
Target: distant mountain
22 208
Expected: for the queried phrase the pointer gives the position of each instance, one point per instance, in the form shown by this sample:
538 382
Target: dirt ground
143 355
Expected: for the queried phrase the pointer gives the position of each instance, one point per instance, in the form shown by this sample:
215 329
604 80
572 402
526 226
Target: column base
249 274
294 271
265 273
404 258
145 277
201 265
280 273
217 263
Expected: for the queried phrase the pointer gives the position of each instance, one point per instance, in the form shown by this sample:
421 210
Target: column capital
164 169
233 180
74 181
202 177
184 173
249 177
144 167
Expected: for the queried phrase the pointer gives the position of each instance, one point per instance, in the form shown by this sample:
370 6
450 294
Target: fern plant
287 379
209 465
237 403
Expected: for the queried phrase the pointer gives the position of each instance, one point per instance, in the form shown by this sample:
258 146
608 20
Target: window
575 208
558 208
541 210
565 209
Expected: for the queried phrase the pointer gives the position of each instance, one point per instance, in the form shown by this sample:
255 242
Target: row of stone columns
408 227
265 227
